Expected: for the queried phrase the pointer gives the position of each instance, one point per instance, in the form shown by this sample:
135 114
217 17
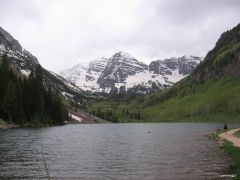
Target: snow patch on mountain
175 76
143 78
75 117
25 72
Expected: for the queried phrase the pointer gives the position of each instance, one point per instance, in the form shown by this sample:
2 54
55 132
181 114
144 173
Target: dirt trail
229 136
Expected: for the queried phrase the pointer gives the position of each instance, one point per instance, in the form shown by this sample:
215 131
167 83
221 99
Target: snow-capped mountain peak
9 41
19 56
85 75
120 66
192 58
124 55
98 65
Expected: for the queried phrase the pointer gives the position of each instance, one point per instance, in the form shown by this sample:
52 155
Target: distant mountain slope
123 73
222 60
23 63
210 93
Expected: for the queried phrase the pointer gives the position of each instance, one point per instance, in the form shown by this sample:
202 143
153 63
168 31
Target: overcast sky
62 33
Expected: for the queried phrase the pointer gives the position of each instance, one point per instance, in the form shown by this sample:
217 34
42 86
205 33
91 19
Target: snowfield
75 117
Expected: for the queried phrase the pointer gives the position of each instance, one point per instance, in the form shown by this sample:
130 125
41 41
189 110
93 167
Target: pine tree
37 95
9 103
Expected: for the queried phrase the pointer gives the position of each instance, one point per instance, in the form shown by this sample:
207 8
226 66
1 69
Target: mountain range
123 73
120 73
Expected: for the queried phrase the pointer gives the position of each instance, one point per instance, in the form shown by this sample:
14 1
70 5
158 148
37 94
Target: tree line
113 116
26 100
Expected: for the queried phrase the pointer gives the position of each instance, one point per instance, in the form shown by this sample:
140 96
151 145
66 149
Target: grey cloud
180 11
24 8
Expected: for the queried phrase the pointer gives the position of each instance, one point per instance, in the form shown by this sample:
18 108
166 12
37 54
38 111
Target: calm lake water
112 151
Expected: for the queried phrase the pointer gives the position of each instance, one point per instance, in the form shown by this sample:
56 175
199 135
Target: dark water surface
112 151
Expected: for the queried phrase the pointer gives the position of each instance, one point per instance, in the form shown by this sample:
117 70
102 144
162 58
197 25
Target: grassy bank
234 153
215 135
231 150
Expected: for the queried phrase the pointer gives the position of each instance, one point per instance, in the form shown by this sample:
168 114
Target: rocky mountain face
123 73
23 63
185 65
19 56
119 67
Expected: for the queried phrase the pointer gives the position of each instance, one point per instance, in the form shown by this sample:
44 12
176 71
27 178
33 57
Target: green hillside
211 93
